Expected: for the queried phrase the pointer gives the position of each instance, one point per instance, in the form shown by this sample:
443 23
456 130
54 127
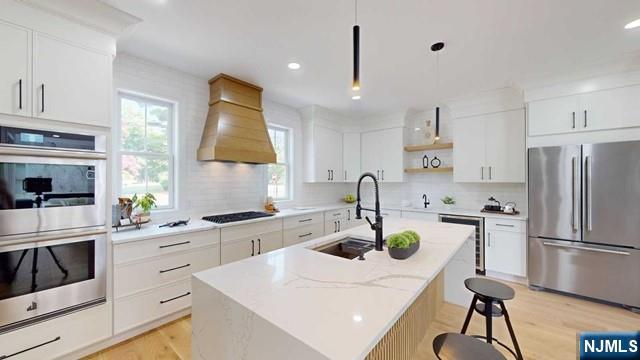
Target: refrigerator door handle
574 188
587 248
588 164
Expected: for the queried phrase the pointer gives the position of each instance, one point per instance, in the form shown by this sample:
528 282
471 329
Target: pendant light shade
356 58
436 48
437 137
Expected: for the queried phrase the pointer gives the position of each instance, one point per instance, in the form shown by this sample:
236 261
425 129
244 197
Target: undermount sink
348 248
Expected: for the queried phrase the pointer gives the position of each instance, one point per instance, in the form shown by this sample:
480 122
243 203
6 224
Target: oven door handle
64 154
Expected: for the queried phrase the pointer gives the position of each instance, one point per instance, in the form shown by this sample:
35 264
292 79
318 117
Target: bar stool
490 293
463 347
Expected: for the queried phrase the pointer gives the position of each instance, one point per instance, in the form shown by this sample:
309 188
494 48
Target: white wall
211 187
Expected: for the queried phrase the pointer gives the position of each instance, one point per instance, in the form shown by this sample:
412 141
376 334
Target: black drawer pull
175 298
305 220
20 94
303 235
505 225
176 244
42 94
338 214
2 357
175 268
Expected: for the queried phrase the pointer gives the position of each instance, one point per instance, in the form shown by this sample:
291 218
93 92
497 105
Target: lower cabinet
506 247
57 337
242 241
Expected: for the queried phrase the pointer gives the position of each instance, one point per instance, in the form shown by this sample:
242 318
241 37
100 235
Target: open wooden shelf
429 170
414 148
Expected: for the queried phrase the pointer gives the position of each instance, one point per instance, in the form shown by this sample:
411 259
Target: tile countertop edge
394 226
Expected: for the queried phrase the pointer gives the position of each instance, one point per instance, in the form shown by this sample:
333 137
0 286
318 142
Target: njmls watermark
609 345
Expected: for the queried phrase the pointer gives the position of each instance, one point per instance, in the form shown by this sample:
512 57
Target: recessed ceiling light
633 24
356 97
294 66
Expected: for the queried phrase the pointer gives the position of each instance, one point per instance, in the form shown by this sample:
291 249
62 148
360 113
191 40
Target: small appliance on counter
509 208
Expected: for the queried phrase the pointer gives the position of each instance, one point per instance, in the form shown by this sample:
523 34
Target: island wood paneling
402 340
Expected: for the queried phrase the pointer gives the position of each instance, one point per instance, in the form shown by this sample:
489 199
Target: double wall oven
52 224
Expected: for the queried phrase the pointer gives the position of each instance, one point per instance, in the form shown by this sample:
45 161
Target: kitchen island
298 303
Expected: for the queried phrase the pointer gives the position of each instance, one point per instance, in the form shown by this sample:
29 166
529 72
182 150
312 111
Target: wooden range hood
235 129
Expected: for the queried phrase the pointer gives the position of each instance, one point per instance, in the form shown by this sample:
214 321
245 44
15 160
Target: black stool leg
469 313
513 335
488 320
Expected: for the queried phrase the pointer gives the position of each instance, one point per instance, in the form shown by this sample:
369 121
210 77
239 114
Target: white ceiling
489 44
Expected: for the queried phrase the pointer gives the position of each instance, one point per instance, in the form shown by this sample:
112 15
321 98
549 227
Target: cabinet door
269 242
505 252
238 250
15 80
610 109
371 152
392 155
469 150
331 227
505 147
553 116
351 156
70 83
328 154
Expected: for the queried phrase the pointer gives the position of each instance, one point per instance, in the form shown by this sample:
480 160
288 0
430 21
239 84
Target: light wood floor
546 325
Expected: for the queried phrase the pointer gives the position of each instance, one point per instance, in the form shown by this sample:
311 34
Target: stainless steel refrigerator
584 220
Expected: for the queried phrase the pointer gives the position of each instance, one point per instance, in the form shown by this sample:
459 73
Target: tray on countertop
515 212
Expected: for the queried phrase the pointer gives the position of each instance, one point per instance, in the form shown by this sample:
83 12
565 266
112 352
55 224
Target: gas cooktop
233 217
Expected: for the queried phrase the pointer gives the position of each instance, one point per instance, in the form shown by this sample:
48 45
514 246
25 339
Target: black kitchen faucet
377 226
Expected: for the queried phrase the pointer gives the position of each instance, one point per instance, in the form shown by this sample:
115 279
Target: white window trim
171 146
289 163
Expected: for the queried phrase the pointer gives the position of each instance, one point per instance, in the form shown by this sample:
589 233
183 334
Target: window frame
289 161
171 142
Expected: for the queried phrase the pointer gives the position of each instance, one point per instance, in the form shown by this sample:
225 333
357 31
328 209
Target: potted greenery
143 205
402 245
448 201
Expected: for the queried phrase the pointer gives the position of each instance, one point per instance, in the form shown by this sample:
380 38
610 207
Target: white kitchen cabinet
383 154
506 246
335 226
490 148
70 83
303 233
242 241
599 110
323 154
553 116
351 156
15 72
610 109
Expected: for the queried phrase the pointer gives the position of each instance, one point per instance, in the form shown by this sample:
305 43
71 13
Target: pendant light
436 49
355 86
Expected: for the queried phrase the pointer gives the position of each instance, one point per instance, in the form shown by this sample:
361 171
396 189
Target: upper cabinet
323 154
490 148
599 110
15 72
46 77
70 83
383 154
351 156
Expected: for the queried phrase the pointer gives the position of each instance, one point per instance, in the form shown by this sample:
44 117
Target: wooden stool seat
462 347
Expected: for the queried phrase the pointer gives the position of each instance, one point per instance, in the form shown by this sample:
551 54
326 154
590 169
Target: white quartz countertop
339 307
460 211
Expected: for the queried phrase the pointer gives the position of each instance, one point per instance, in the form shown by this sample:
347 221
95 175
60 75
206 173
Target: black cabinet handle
304 220
176 244
573 119
253 248
2 357
328 174
42 100
585 118
175 268
339 225
304 235
259 246
175 298
382 175
20 94
348 214
505 225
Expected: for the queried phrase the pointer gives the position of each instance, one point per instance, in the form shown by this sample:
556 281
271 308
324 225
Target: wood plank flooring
546 325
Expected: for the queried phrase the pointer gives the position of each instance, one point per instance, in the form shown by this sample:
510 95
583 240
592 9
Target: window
146 148
279 174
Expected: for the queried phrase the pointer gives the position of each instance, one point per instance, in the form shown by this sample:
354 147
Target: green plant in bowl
144 203
414 236
399 240
448 200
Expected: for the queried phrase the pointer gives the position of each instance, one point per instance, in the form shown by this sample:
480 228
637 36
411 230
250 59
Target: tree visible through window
146 148
279 174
